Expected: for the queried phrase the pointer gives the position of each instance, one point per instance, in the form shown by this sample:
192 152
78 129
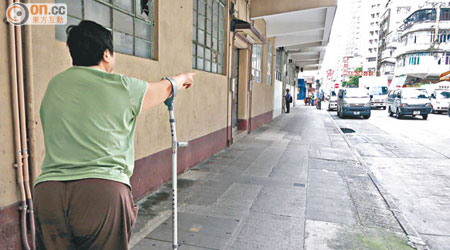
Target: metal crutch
175 145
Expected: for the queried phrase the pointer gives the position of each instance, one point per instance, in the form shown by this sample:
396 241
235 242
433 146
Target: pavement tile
197 230
259 193
281 201
270 232
149 244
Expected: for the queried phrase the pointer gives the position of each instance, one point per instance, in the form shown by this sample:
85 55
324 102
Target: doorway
235 92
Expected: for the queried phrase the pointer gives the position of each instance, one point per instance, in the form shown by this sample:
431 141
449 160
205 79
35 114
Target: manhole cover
347 130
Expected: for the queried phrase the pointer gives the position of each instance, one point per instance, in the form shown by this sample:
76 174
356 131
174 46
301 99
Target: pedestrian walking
83 197
288 100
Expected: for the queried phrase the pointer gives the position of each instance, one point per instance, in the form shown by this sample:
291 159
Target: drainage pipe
23 131
17 138
31 123
30 107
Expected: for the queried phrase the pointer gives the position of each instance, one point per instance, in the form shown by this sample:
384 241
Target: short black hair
87 42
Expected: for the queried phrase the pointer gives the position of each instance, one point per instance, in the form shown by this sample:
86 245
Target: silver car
332 102
353 102
408 101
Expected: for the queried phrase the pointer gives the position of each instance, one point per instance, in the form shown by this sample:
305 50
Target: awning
398 81
445 76
248 32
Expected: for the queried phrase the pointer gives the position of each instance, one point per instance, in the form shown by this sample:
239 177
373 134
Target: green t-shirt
89 117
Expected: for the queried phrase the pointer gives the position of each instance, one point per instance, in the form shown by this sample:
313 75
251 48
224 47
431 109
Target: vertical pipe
29 90
174 177
17 138
23 130
30 123
438 17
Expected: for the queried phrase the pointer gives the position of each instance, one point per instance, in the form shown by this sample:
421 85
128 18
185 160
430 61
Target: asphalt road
411 160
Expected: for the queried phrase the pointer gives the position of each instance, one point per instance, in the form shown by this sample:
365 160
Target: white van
440 100
378 95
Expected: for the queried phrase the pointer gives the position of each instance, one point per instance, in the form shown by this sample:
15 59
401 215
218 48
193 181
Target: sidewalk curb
414 239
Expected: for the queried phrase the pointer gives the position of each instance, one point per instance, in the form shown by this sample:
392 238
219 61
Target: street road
411 160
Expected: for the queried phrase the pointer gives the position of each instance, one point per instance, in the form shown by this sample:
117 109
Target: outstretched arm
158 92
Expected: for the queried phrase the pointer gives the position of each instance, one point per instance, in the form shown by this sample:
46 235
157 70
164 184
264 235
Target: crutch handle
169 101
183 144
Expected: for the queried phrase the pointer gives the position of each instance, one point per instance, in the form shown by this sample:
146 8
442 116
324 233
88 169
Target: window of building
256 62
269 64
279 64
208 45
130 22
445 14
444 36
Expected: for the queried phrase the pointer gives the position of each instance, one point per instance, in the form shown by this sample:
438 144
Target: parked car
353 102
378 95
332 101
440 100
408 101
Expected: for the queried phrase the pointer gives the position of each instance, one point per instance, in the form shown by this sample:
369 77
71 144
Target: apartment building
362 47
395 11
424 51
231 45
370 34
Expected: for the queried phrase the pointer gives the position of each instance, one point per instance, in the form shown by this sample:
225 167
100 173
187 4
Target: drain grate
347 130
299 185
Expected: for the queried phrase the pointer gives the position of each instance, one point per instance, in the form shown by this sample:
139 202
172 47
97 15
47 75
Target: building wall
277 98
8 192
202 112
262 93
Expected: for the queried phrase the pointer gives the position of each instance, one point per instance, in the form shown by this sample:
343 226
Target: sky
340 34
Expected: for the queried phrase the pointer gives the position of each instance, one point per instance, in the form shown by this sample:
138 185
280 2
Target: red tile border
242 124
153 171
258 121
10 237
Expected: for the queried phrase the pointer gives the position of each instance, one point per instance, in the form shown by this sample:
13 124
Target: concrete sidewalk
292 184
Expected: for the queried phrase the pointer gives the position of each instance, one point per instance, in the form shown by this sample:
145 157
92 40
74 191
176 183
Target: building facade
424 51
395 11
362 47
227 44
370 34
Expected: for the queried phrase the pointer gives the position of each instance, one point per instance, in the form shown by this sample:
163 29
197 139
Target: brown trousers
83 214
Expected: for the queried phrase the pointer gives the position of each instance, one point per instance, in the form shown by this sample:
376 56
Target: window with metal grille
278 65
131 22
269 64
208 45
256 62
